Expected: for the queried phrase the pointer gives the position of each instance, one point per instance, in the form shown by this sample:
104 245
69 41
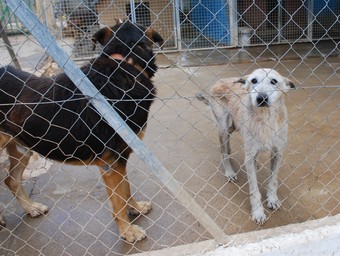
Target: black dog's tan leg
141 207
118 189
3 140
2 222
18 162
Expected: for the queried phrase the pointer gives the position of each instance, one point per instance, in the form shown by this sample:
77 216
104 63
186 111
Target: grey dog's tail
202 98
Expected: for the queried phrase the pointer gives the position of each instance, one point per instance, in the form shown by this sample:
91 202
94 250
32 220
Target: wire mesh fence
202 43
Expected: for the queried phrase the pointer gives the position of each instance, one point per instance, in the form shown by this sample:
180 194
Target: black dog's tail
202 98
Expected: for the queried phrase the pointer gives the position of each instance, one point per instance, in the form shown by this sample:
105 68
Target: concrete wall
316 237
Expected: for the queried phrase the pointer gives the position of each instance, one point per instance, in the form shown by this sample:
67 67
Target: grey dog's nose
262 100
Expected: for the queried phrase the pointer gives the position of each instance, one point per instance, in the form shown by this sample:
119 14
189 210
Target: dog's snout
262 100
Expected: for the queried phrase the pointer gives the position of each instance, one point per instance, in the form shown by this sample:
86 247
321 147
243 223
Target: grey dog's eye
273 81
254 81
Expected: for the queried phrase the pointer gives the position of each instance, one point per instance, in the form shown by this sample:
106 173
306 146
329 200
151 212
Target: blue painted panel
211 18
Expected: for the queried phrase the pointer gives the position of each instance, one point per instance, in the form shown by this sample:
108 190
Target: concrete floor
182 134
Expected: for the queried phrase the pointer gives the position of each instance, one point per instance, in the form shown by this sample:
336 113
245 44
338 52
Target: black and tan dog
52 117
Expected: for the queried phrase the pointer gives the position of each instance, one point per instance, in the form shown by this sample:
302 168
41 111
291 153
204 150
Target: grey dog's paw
273 203
258 216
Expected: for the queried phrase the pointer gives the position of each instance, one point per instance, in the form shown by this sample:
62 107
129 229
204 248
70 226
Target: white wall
317 237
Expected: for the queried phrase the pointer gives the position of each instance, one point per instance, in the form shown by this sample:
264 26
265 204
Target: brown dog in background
52 117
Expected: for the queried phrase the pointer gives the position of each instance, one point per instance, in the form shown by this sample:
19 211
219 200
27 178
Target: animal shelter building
190 24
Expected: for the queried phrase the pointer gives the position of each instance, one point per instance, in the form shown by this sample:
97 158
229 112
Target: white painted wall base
316 237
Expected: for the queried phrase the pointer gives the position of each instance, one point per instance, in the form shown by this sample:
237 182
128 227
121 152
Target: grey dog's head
266 87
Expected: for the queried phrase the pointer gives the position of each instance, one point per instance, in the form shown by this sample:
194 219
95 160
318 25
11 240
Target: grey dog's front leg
257 211
273 201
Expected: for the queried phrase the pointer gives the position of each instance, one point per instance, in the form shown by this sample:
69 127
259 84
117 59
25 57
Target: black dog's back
15 85
9 72
52 117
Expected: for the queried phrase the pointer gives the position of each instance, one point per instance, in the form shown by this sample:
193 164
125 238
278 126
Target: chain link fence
204 42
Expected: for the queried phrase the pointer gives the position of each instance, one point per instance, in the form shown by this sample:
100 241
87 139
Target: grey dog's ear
241 81
289 84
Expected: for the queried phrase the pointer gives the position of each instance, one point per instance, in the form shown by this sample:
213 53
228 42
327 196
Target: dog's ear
241 81
101 36
289 84
154 37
